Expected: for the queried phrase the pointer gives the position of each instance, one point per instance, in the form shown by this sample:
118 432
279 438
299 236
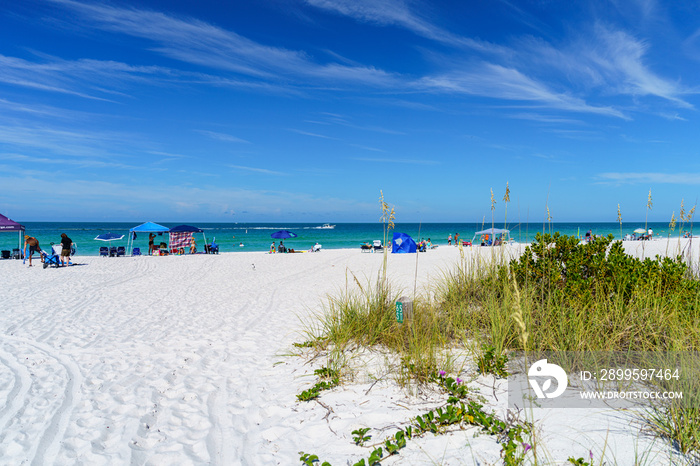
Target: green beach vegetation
559 295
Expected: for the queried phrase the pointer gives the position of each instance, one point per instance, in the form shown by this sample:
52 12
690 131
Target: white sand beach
187 360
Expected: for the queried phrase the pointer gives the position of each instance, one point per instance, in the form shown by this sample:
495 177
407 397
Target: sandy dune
185 360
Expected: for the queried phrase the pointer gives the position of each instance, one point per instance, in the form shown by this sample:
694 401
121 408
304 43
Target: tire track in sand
37 401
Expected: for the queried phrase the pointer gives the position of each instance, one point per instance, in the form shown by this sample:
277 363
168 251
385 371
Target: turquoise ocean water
256 236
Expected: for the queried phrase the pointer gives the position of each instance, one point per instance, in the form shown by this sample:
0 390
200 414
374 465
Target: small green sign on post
399 312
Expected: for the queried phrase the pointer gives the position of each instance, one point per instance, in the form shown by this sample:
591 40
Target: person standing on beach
449 240
456 239
272 248
151 239
66 243
33 244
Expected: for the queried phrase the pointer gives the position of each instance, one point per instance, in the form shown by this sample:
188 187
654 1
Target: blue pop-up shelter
402 243
148 227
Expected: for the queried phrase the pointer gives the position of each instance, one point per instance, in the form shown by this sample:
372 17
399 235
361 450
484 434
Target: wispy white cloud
649 178
575 134
529 70
43 77
608 57
83 78
345 121
161 201
545 118
41 110
222 136
402 161
373 149
264 171
621 57
496 81
604 58
399 13
72 162
200 43
315 135
67 142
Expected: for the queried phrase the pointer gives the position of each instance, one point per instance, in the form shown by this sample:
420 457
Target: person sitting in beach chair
281 247
316 248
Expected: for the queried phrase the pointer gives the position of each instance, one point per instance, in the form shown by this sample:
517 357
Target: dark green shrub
560 268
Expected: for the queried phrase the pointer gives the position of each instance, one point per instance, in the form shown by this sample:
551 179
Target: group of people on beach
31 245
282 248
449 239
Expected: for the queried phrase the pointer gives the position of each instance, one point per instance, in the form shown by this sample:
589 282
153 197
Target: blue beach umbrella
108 237
283 234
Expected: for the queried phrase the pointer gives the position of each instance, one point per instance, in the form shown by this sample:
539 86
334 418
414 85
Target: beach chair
6 254
316 248
377 245
121 251
113 251
17 253
104 251
53 259
136 252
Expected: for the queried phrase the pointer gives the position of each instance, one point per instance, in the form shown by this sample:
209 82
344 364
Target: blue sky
303 110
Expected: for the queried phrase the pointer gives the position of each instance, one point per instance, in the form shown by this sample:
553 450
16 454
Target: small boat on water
326 226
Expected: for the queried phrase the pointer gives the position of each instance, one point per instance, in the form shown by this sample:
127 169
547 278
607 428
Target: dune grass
559 295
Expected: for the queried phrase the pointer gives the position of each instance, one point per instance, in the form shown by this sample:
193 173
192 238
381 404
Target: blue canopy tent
148 227
176 233
402 244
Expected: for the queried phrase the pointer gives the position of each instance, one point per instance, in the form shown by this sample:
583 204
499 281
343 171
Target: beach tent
181 236
402 243
148 227
493 232
10 226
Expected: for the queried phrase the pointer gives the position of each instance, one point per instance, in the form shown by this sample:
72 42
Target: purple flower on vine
442 373
458 380
527 447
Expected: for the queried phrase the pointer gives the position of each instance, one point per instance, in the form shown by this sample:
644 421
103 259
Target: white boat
326 226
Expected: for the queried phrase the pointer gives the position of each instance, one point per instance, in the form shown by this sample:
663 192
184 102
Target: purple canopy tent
7 225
